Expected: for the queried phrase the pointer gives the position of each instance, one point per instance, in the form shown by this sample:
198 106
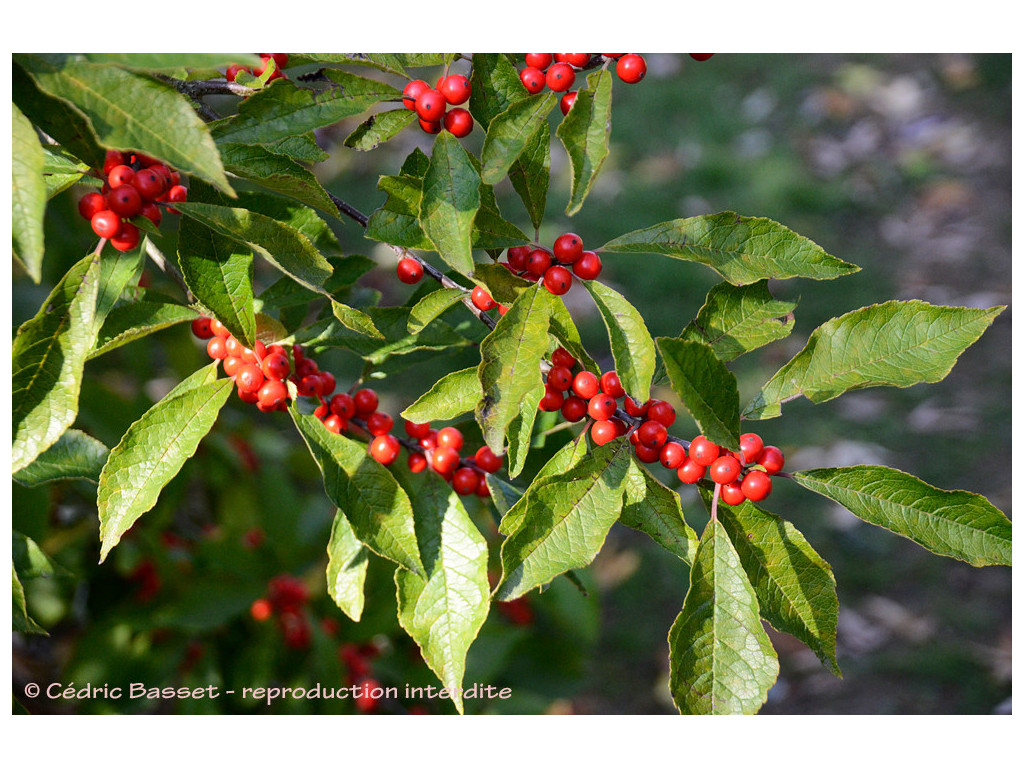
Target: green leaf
394 63
495 87
175 61
397 221
153 450
32 562
585 133
955 524
49 353
520 431
355 320
365 491
75 456
132 112
895 344
503 286
503 495
347 561
511 131
119 275
444 610
135 319
432 306
707 388
302 148
567 457
278 172
454 394
564 521
510 363
282 245
218 271
651 508
741 249
490 230
795 587
285 109
720 658
451 197
28 194
565 332
631 342
381 127
62 170
738 319
530 175
20 620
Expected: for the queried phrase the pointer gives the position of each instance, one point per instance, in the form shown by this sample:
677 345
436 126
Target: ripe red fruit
127 237
724 469
281 59
652 434
560 378
751 446
646 454
429 441
568 248
201 328
672 455
216 348
635 409
586 385
370 692
566 102
703 451
601 407
149 184
487 460
574 408
537 262
385 448
576 59
412 91
233 70
558 280
417 431
120 175
249 378
344 405
322 411
409 270
533 79
560 77
450 437
125 201
701 56
603 432
335 424
465 481
482 299
233 346
231 365
552 400
661 411
261 609
91 204
432 128
631 68
379 423
218 328
431 105
112 159
690 471
444 459
417 462
177 194
611 385
152 212
756 485
365 400
732 493
588 267
517 257
455 89
105 223
771 459
326 385
458 122
538 60
561 356
275 367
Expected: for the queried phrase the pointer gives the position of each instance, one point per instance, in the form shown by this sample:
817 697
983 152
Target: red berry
444 459
410 271
233 346
537 262
601 407
701 56
560 378
276 367
125 201
552 400
465 481
690 471
177 194
120 175
756 485
344 405
91 204
273 394
231 366
249 378
652 434
379 423
574 408
365 400
385 448
631 68
152 212
261 609
458 122
482 489
201 328
429 441
672 455
558 280
417 431
635 409
281 59
105 223
517 257
538 60
560 77
588 267
732 493
771 459
335 424
533 79
450 437
219 329
586 385
562 357
412 92
487 460
568 248
661 411
603 432
431 105
322 411
149 184
611 385
703 451
482 299
233 70
456 90
724 469
417 462
432 128
305 367
113 159
576 59
216 348
127 237
566 102
751 446
646 453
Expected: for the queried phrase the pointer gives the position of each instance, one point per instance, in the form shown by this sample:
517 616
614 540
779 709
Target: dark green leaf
175 61
75 456
355 320
585 133
653 509
454 394
520 431
503 286
397 221
432 306
20 620
631 342
738 319
302 148
132 320
495 87
347 561
567 457
451 197
509 133
28 195
280 173
381 127
530 174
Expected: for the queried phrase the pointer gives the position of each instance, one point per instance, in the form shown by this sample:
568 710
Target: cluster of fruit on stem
133 185
280 62
557 71
431 104
258 373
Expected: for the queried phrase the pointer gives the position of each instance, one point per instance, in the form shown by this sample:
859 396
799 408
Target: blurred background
897 163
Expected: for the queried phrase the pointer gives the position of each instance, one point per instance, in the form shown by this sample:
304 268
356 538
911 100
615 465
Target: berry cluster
745 474
557 71
553 266
431 104
286 598
357 659
259 373
280 61
134 185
